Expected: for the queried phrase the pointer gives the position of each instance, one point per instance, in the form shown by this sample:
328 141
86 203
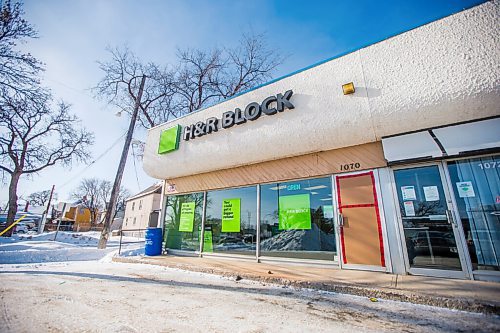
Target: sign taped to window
408 193
295 212
231 215
409 208
207 241
328 211
431 193
187 217
465 190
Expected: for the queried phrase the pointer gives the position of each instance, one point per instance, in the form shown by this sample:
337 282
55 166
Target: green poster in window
187 217
207 241
295 212
231 215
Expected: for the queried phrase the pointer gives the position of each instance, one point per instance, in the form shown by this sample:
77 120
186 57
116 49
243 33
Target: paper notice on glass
465 190
328 211
431 193
409 208
408 193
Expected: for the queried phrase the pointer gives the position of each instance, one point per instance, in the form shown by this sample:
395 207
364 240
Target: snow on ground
97 296
68 285
68 246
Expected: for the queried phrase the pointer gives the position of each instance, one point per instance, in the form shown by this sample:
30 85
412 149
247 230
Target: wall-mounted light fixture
348 88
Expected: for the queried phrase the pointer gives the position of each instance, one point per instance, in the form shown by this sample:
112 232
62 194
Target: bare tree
88 195
120 201
120 84
199 79
94 194
248 65
204 78
196 83
18 71
105 188
39 198
34 135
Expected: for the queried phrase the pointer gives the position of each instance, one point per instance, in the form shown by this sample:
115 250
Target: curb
470 305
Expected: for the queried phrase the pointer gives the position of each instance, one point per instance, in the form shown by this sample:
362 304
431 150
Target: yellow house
80 216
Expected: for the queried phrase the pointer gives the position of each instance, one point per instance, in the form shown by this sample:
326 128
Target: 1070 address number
350 166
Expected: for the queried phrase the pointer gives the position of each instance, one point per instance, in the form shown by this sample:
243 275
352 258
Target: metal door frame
387 259
473 274
457 229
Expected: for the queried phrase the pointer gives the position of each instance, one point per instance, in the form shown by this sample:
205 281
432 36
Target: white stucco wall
441 73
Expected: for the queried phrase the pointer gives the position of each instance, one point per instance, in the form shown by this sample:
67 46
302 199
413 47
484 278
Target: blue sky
74 35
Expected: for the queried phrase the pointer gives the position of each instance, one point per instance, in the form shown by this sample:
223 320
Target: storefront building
400 176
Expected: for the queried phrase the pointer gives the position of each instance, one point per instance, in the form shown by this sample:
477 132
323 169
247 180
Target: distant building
75 217
141 210
80 217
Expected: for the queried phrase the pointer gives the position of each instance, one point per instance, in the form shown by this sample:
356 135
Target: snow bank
68 246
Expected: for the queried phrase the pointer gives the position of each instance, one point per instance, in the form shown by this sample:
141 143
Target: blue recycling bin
153 242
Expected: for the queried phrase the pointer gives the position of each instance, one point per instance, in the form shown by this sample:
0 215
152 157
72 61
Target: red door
359 220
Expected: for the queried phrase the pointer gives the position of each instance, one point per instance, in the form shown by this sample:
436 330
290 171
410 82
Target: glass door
476 188
430 231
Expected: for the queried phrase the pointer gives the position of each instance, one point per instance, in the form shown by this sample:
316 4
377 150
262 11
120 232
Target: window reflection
230 225
476 185
183 222
297 219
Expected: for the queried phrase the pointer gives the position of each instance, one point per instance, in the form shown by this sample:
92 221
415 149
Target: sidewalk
475 296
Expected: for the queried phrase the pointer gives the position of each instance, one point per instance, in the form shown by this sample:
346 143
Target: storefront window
297 219
476 185
183 222
230 225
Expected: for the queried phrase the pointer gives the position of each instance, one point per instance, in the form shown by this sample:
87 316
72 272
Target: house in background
75 217
141 211
80 217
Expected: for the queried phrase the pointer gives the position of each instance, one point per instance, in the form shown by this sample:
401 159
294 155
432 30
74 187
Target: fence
139 233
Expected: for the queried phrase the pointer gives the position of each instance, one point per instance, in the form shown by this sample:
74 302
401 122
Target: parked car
442 243
29 218
21 228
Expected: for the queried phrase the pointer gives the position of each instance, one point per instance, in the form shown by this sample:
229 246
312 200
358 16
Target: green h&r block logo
169 140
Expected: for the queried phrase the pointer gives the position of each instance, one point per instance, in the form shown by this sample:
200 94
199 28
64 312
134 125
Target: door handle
341 220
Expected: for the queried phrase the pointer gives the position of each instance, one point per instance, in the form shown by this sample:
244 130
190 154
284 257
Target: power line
135 168
94 161
78 90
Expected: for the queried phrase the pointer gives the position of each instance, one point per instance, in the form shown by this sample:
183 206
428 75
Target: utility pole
59 223
119 174
41 224
93 213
